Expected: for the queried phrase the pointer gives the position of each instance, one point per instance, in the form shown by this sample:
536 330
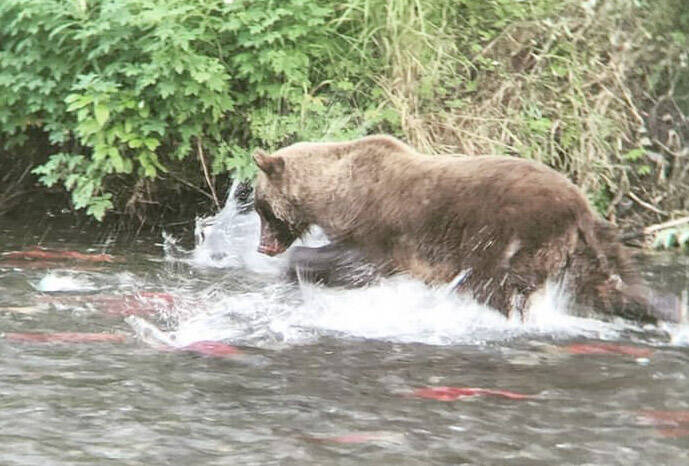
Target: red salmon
52 254
142 303
667 418
361 437
607 349
457 393
65 337
212 348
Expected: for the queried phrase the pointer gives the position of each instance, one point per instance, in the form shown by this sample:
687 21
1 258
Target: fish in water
152 335
361 437
675 432
38 253
457 393
65 337
211 348
24 264
676 418
607 349
141 303
670 424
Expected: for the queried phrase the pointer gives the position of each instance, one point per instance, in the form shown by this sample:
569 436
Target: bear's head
281 220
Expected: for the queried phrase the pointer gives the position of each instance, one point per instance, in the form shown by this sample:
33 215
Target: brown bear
498 226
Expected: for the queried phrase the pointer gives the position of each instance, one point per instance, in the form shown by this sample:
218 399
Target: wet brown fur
509 224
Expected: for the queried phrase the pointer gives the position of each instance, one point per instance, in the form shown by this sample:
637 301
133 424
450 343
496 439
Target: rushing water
210 357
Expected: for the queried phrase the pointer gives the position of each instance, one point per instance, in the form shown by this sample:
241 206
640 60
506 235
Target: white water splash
229 239
397 309
65 281
150 334
78 281
679 334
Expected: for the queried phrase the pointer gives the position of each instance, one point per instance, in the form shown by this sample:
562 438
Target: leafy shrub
133 87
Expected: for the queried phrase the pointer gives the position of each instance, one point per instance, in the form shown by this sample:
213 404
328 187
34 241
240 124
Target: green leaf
116 160
634 154
102 113
88 127
77 101
644 170
151 143
541 125
98 206
147 164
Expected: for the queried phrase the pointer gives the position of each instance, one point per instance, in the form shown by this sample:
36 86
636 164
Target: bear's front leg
335 264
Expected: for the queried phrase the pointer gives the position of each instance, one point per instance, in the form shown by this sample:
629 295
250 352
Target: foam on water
679 334
397 309
79 281
65 281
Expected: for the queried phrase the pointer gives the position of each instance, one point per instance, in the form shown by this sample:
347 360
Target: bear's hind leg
509 295
512 301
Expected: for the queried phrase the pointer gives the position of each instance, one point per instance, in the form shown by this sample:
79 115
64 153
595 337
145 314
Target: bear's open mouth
271 248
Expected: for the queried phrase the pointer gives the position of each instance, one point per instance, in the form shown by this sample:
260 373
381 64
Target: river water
208 356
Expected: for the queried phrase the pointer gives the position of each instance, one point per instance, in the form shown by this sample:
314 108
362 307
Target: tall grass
559 81
411 46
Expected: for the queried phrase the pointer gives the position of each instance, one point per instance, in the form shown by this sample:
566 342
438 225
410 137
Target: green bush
133 87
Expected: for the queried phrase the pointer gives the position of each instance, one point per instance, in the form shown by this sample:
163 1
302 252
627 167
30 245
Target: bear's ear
270 165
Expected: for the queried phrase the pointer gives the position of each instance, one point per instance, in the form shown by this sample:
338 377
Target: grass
561 82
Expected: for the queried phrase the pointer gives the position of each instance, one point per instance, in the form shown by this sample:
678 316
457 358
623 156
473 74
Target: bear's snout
270 247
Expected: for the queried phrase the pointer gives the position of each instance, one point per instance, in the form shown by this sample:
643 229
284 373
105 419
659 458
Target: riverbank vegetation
146 109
